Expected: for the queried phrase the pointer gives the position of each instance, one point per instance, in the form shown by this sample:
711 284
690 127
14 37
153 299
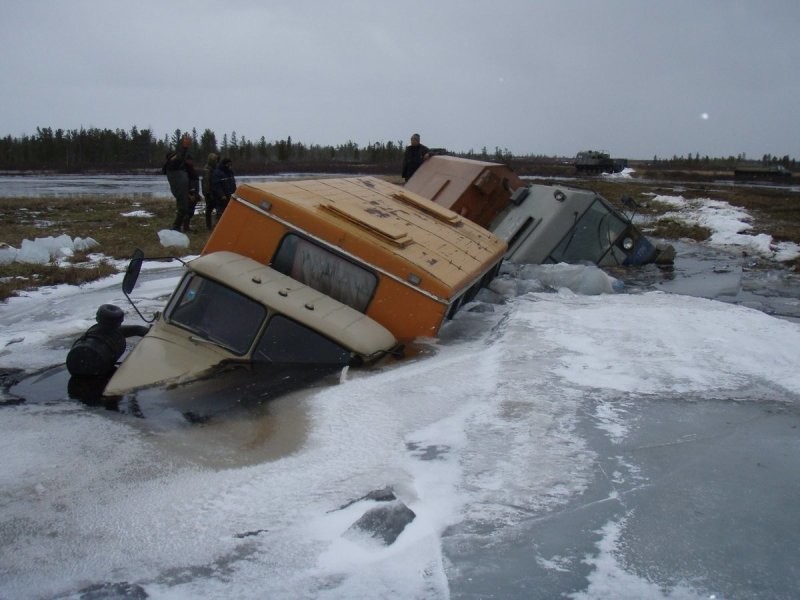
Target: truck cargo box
477 190
401 259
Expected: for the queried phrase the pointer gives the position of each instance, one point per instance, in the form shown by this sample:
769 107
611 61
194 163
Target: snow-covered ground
557 440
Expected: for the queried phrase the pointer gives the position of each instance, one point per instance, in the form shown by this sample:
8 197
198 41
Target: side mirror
132 275
132 272
129 281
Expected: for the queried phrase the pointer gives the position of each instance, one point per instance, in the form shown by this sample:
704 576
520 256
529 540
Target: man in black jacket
414 156
208 194
175 168
223 185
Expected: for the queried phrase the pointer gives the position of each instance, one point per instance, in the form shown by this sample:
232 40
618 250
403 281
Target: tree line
76 150
94 149
729 162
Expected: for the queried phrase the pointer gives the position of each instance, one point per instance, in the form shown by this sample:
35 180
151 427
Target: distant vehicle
540 223
762 172
311 272
594 161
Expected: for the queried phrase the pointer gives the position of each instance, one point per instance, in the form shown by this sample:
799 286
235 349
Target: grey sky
635 78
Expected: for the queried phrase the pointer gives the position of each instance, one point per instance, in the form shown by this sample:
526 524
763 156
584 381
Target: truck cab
551 224
230 309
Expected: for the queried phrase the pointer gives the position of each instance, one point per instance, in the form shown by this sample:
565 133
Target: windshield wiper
202 340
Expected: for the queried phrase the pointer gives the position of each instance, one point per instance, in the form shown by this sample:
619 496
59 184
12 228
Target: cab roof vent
391 234
430 208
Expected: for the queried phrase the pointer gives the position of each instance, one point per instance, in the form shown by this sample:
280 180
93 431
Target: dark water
719 274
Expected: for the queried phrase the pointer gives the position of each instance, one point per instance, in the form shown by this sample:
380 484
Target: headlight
627 244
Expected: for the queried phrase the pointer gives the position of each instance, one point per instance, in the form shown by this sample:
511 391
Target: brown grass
99 218
774 211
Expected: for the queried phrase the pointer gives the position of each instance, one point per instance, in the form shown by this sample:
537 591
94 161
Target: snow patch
626 173
46 250
729 226
171 238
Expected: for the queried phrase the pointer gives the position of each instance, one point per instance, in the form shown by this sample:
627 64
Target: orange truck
392 254
332 272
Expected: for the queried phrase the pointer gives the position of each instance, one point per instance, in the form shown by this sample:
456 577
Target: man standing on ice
414 156
178 177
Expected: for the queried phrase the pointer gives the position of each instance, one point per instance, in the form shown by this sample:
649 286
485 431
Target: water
725 275
144 185
46 186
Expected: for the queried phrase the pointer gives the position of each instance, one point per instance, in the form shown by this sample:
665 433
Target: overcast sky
637 78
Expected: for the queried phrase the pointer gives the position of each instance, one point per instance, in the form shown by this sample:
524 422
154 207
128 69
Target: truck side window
288 342
325 271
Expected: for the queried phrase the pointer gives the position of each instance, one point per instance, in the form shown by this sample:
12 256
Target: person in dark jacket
178 177
414 156
208 194
194 193
223 185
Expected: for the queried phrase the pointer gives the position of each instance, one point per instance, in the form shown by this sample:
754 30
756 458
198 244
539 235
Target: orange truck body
425 259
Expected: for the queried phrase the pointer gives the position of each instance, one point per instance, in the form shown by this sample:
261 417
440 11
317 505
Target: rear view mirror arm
132 276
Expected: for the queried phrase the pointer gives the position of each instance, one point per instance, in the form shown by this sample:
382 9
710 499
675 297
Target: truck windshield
216 313
591 236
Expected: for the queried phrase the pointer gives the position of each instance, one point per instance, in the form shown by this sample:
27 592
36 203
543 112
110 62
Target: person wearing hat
223 185
208 194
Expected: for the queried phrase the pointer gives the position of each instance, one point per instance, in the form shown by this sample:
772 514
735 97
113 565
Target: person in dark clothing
178 177
208 194
223 185
194 193
414 156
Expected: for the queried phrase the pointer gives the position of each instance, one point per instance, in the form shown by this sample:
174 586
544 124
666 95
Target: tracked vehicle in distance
593 162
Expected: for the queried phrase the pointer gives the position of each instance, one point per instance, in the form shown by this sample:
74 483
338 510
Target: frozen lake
551 443
43 186
142 185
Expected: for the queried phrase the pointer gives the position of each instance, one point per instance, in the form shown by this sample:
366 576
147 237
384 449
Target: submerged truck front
229 309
